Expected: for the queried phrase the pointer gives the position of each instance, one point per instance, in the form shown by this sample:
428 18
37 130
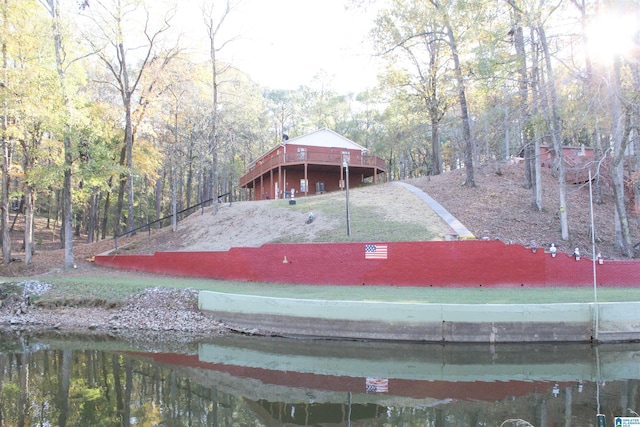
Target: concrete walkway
456 226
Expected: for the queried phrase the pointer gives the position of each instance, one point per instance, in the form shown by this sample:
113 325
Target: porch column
271 196
261 187
306 180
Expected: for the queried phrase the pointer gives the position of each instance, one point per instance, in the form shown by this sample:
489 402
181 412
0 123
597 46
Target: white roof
325 138
320 138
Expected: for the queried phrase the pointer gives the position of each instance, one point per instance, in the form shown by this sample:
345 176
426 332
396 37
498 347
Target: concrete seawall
479 323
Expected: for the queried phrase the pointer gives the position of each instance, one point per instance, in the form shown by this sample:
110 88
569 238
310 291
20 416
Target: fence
148 225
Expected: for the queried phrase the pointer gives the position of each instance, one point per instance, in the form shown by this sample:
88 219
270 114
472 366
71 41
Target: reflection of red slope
440 390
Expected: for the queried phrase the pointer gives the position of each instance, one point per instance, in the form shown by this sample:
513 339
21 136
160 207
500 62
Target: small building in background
578 162
314 163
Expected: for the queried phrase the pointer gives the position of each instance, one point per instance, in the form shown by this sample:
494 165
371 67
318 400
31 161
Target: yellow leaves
16 172
147 158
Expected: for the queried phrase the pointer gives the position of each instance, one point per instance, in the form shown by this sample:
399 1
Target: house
578 161
571 154
311 164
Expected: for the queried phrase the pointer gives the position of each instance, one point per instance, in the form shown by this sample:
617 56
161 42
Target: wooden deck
310 157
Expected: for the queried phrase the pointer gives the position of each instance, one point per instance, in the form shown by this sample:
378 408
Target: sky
283 44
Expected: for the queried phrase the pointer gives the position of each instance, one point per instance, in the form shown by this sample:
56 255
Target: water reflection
251 381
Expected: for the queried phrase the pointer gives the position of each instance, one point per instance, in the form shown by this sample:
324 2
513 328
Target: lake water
253 381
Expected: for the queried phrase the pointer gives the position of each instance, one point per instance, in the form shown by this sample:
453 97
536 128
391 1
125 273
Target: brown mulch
499 207
49 253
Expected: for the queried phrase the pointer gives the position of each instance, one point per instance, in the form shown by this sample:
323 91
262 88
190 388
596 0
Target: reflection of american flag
375 251
377 385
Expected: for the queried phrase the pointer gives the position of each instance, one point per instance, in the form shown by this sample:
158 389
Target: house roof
325 138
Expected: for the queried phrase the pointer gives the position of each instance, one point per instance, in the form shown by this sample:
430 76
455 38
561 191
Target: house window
303 185
302 153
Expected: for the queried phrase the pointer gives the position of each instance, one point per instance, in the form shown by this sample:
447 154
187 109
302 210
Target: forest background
110 121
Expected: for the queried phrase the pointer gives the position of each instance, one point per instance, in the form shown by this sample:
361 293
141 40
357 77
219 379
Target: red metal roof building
311 164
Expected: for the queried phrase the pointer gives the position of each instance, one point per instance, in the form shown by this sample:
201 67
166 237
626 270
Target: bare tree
555 128
531 148
67 208
7 147
111 47
213 25
620 139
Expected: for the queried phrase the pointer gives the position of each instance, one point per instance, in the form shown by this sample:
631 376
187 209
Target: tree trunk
553 120
67 211
213 143
7 153
24 399
434 110
535 102
213 28
28 224
531 149
6 202
464 110
172 189
158 198
65 387
189 184
591 90
623 235
635 125
599 155
130 192
118 388
67 208
436 153
128 393
107 204
94 216
121 188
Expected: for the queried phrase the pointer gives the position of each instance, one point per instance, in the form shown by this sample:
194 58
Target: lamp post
345 164
593 262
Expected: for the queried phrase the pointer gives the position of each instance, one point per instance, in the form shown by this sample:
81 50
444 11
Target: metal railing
149 225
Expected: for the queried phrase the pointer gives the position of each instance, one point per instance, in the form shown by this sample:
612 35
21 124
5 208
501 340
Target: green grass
369 222
114 290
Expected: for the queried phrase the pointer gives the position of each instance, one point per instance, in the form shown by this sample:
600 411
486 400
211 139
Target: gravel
152 311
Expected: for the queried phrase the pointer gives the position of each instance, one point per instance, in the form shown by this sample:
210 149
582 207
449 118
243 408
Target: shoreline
197 314
155 310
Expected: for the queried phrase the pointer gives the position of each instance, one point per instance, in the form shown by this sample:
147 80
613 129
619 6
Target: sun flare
611 34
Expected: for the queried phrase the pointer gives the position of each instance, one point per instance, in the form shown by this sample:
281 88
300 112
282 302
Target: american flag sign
375 251
377 385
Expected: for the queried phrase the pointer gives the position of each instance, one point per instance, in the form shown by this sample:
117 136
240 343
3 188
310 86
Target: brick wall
457 264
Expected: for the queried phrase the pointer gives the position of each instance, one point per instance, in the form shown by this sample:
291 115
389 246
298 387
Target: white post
346 166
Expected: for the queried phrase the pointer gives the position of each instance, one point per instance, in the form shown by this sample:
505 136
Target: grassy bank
110 290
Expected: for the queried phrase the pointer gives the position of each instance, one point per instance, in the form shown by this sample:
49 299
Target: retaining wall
440 264
470 323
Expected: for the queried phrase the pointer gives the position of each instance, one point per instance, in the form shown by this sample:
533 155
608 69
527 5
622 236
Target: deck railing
311 157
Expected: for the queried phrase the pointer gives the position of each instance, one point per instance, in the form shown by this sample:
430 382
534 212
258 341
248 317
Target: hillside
498 208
